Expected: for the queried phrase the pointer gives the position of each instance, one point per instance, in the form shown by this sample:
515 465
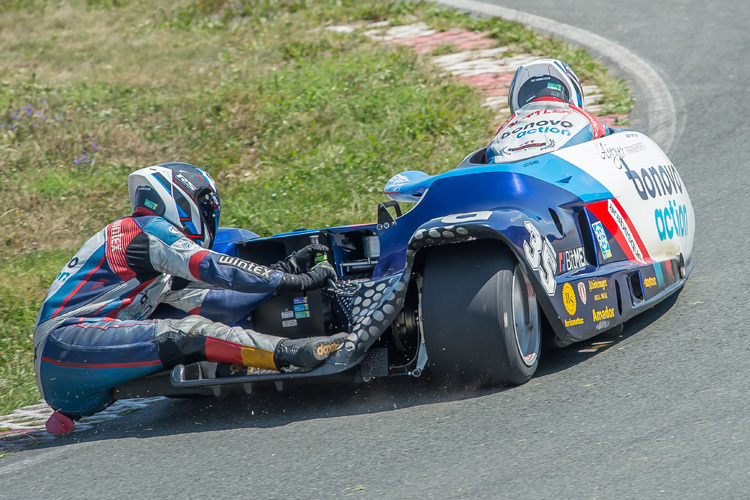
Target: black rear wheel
480 314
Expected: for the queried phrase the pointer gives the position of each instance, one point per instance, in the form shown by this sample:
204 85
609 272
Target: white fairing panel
655 217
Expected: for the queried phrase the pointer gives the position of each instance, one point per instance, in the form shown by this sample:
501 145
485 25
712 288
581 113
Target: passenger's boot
306 353
59 423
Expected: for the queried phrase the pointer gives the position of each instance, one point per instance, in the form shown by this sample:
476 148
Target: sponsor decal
569 299
289 323
522 128
63 276
601 237
396 182
530 163
620 221
324 350
600 296
595 284
541 257
582 292
617 153
572 259
467 217
649 282
115 236
661 180
606 313
150 204
287 314
250 267
300 300
671 221
573 322
542 130
527 145
301 307
301 314
173 230
185 181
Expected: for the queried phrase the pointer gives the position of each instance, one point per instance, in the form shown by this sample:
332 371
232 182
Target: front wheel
480 315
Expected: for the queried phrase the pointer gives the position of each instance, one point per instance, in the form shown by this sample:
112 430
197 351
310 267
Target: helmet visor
542 86
210 208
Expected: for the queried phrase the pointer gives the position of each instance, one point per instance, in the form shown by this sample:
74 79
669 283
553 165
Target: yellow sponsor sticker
606 313
569 299
649 282
573 322
597 283
324 350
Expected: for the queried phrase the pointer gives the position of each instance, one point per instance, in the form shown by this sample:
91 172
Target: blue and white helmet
544 78
183 194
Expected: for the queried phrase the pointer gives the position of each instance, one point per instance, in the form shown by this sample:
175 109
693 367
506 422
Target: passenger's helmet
183 194
544 78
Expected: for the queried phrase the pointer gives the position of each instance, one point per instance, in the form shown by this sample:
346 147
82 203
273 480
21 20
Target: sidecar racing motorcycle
490 260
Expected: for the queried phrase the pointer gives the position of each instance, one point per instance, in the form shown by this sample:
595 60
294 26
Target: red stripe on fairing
195 263
601 211
119 235
633 231
80 285
223 351
100 365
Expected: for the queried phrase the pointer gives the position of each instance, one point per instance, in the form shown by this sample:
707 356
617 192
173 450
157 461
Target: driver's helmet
544 78
183 194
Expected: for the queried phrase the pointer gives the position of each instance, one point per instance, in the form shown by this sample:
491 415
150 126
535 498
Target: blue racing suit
95 329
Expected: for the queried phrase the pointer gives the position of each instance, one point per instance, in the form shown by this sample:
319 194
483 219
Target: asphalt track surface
661 413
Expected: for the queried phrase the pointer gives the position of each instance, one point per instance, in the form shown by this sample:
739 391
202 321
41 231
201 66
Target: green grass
300 126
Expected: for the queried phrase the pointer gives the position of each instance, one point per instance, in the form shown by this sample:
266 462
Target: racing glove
301 260
313 279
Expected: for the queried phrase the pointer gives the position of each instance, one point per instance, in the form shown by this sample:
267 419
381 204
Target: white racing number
467 217
541 257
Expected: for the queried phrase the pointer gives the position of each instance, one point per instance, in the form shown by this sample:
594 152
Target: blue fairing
530 187
228 237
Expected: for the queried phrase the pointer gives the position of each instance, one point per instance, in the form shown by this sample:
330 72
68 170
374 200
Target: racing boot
306 353
59 423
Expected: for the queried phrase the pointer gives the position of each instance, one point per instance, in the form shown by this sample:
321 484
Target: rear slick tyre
481 316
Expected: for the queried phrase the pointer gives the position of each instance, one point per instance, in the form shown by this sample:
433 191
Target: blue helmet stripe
158 178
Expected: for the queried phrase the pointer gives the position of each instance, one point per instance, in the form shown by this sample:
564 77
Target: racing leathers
95 329
541 126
